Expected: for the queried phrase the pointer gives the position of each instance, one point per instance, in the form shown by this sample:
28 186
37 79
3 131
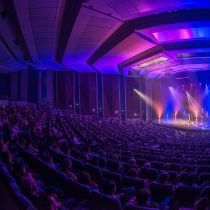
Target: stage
184 124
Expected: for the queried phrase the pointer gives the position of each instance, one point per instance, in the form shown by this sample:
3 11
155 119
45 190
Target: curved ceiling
108 36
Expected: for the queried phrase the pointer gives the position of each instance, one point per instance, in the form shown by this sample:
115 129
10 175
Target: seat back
100 201
113 176
148 173
186 195
95 171
204 177
134 182
160 191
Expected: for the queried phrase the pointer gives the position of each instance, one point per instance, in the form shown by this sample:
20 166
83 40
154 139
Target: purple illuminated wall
63 85
14 85
132 99
111 95
88 102
69 90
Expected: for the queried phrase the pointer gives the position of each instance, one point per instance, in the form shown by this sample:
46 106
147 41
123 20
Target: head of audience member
95 160
133 172
202 204
109 187
191 180
45 202
132 161
67 165
6 157
84 178
115 157
147 165
163 178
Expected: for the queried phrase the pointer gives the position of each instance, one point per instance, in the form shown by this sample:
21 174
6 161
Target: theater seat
112 165
77 164
157 165
148 173
186 196
160 191
204 177
203 168
113 176
134 182
100 201
205 192
172 177
175 167
95 171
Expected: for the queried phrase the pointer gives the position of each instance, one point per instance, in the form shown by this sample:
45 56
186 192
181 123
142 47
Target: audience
118 159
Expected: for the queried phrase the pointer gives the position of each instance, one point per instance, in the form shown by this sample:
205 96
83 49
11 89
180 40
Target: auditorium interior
104 104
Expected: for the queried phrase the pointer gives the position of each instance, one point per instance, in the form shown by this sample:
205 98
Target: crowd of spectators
81 162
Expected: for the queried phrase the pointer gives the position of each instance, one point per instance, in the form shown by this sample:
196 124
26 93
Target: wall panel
132 99
88 101
111 95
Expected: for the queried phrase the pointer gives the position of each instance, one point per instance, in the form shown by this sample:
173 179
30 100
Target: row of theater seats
21 201
82 194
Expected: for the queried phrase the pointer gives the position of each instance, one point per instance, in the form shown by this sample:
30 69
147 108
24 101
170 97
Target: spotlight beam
194 106
177 98
158 109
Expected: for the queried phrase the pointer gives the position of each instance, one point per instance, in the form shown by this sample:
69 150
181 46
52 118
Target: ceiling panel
129 47
90 30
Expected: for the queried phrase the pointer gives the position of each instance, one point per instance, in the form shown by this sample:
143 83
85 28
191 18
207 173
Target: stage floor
184 124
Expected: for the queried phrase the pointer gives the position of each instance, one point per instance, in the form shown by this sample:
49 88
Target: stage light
144 97
157 107
194 106
206 90
177 100
149 63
